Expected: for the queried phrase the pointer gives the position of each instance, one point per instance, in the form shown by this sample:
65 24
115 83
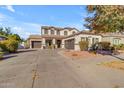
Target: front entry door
48 43
58 43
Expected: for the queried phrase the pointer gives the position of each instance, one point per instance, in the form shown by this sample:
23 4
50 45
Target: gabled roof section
83 32
112 35
50 27
58 28
70 28
34 37
53 36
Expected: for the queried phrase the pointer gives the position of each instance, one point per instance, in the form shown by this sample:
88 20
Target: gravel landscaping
114 64
79 54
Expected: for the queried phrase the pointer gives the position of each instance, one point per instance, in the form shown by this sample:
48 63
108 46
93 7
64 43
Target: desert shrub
83 45
9 45
3 46
74 54
122 46
119 47
104 45
1 50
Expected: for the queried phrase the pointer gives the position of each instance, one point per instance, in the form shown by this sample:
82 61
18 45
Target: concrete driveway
47 68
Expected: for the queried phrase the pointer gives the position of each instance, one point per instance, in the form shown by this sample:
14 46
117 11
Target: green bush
26 45
3 46
1 55
9 45
119 47
83 45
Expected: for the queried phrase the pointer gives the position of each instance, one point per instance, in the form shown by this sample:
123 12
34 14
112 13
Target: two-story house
50 36
69 38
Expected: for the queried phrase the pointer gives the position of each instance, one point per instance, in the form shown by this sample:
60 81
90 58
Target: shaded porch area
51 42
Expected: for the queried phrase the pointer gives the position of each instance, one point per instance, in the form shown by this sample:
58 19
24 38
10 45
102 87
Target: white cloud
5 18
81 7
2 17
26 29
52 18
10 8
17 29
21 31
33 25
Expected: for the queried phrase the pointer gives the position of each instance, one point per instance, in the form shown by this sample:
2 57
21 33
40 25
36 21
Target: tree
12 42
15 37
2 32
7 32
105 18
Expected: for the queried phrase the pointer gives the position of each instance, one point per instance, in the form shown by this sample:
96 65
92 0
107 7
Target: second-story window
58 32
73 32
52 32
65 33
46 32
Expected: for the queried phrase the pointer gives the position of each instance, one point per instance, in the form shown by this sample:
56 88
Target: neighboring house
50 36
72 41
113 38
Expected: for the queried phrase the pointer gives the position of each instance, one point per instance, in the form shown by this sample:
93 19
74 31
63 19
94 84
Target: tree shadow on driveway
11 55
8 56
25 50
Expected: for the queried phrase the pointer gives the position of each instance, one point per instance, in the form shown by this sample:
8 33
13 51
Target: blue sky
28 19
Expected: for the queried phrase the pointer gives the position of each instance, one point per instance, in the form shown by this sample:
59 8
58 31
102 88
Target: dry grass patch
80 54
114 64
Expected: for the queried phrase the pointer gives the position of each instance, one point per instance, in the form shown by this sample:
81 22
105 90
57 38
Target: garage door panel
36 44
69 44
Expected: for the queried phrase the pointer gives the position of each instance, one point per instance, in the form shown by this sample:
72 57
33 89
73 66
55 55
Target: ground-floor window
85 39
95 40
48 43
116 41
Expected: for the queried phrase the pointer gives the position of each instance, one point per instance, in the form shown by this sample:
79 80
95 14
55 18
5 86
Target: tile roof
58 28
35 37
53 36
112 35
82 32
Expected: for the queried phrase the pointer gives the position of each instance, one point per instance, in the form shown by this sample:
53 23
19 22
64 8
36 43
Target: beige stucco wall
78 39
110 39
30 40
70 32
